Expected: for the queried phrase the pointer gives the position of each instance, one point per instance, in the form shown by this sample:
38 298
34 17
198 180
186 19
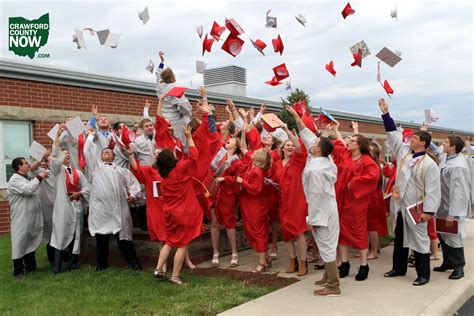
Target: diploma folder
441 227
414 212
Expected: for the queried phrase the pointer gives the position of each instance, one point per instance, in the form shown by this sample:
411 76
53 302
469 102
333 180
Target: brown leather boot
303 268
293 266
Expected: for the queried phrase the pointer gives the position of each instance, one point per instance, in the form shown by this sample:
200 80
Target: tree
295 96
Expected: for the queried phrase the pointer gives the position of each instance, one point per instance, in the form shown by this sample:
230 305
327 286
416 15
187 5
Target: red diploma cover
441 226
414 212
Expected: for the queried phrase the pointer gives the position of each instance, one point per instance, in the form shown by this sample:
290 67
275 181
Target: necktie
109 163
69 170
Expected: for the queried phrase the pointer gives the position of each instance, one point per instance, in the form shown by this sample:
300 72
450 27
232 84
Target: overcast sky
435 38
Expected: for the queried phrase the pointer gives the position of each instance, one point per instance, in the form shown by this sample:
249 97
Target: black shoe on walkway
363 273
456 274
420 281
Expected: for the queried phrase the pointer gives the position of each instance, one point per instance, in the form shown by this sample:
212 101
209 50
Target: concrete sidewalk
376 296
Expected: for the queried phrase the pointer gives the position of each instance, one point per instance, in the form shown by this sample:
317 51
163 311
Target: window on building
15 140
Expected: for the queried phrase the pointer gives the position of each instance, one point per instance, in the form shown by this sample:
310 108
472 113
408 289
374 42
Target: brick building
33 98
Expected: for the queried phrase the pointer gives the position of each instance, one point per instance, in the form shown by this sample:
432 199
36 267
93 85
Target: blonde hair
262 159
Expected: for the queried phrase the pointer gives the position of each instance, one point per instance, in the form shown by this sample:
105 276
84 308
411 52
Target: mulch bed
271 280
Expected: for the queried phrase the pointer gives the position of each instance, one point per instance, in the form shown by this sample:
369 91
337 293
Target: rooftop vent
231 80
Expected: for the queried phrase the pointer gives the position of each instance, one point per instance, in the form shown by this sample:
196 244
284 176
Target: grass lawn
114 291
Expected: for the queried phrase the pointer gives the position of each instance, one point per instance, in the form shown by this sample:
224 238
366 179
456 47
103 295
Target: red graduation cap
330 68
308 121
357 58
259 45
274 82
300 107
176 92
387 87
323 119
407 133
234 27
233 45
347 10
217 30
271 122
207 44
278 45
281 72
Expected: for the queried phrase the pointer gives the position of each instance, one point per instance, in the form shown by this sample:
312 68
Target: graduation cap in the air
389 56
233 45
271 21
271 122
144 15
281 72
330 68
347 10
217 31
274 82
234 27
259 45
207 44
278 45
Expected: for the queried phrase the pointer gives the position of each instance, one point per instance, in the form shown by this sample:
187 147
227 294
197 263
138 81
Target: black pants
400 254
452 257
65 255
27 262
126 248
50 252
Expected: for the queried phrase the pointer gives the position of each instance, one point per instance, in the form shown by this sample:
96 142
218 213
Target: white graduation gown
26 218
455 196
68 216
408 185
177 111
143 149
67 141
319 177
108 206
46 198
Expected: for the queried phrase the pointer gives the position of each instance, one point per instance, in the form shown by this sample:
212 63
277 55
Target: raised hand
147 103
61 129
244 113
263 107
291 110
383 106
355 127
424 127
202 91
187 132
162 56
336 125
95 109
44 174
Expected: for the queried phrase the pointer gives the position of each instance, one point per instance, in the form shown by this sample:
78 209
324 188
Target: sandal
260 268
234 261
357 255
273 256
176 280
372 257
434 257
215 260
159 274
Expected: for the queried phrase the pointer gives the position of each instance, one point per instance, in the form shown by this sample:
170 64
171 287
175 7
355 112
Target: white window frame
4 161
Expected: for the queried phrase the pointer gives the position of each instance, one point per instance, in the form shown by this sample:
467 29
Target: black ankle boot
363 273
344 269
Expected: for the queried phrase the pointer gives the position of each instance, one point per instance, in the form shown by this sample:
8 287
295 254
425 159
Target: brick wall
39 95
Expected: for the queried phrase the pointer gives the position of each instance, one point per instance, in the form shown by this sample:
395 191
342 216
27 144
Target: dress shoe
344 269
363 273
136 266
442 268
456 274
420 281
327 291
392 273
73 266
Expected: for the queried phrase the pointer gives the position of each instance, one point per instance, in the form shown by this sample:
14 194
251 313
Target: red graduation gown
207 145
376 214
293 206
183 213
254 208
389 172
355 186
154 205
226 200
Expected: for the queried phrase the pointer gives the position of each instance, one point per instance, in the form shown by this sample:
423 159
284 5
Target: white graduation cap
271 20
200 66
430 116
150 66
108 39
389 56
300 18
394 13
363 48
199 30
144 16
78 38
37 151
288 85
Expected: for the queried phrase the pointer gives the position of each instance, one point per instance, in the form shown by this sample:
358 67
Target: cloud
435 39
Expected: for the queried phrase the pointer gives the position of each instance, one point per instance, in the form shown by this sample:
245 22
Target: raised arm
243 140
293 139
394 137
159 109
146 109
355 127
159 69
299 121
90 151
337 133
57 157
